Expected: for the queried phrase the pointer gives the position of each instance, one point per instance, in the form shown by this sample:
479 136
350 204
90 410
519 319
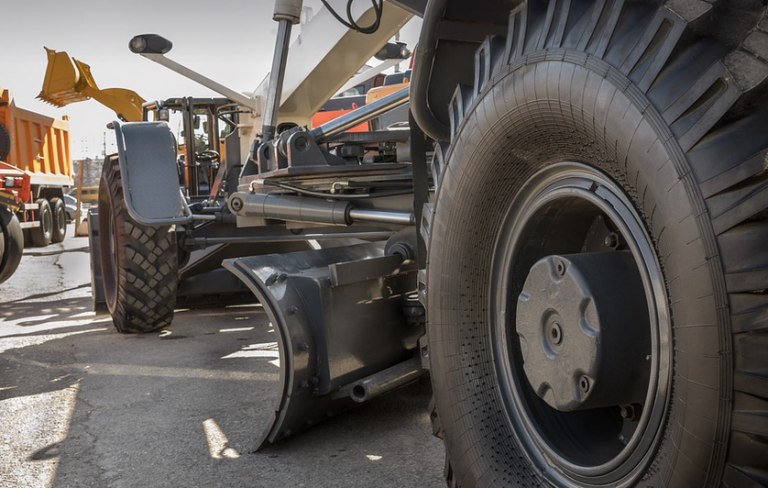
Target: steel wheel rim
535 423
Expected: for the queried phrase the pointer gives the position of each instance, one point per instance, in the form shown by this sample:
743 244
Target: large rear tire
139 264
12 239
598 266
59 212
42 235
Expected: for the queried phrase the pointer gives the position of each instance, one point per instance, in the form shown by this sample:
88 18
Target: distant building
91 171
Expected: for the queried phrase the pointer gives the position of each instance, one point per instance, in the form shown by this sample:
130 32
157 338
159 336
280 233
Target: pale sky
230 41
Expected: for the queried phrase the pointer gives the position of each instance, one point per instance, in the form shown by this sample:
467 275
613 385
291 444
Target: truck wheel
139 263
59 231
12 240
5 143
43 234
598 266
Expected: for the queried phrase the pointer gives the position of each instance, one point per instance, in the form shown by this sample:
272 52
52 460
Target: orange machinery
37 146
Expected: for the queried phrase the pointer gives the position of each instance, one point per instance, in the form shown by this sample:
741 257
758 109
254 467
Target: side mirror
393 50
150 44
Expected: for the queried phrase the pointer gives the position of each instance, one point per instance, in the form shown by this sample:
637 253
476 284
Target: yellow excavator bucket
68 80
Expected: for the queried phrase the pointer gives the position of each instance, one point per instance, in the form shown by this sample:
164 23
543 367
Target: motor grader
569 236
210 141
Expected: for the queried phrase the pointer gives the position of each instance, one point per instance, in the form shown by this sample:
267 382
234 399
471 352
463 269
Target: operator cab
206 137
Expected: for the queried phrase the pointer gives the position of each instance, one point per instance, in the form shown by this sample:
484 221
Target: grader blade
340 317
68 80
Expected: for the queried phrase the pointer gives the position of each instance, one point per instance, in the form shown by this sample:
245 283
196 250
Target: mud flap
147 154
339 319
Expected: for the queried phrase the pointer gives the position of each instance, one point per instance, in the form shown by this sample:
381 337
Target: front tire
12 246
606 174
139 263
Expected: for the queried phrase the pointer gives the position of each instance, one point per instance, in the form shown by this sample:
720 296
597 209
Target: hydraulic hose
425 57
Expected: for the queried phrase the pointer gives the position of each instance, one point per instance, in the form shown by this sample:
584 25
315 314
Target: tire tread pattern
147 266
712 98
59 213
38 235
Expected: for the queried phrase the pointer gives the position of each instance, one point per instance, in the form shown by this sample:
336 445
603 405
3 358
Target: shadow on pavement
88 407
28 311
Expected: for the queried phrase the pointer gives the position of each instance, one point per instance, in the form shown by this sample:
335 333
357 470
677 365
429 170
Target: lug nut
631 412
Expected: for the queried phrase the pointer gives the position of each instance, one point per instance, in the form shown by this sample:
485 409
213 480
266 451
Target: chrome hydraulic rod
311 209
380 216
360 115
210 241
287 13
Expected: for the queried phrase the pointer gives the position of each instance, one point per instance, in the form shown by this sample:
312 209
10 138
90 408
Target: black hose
422 65
336 196
350 23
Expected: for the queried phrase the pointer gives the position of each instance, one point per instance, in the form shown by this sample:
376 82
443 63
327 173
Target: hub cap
580 319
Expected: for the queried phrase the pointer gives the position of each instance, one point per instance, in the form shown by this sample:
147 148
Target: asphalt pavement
84 406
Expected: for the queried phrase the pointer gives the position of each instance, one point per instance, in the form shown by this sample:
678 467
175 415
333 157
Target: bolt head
585 384
556 333
611 241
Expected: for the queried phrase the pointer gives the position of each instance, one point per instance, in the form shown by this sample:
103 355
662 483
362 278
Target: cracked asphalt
84 406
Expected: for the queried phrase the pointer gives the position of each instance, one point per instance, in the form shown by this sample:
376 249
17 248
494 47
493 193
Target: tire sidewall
109 238
521 120
13 241
43 234
59 214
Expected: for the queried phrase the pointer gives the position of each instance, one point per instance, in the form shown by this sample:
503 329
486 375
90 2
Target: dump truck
35 171
570 236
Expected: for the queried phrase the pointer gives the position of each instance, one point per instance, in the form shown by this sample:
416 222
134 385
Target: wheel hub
580 319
